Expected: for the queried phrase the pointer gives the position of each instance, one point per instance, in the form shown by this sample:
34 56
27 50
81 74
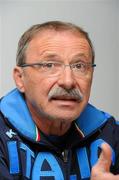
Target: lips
59 93
65 98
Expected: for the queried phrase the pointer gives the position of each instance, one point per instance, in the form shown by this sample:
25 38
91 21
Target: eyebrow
80 55
50 55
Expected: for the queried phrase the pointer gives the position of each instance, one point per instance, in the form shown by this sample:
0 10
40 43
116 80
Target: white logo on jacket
10 133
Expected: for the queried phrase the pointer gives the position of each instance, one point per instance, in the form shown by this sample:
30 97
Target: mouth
66 99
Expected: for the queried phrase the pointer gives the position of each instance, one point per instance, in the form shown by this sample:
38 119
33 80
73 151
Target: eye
80 65
49 65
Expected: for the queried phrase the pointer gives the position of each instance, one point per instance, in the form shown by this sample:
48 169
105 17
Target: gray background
99 17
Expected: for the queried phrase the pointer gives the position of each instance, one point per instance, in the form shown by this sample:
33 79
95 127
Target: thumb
104 161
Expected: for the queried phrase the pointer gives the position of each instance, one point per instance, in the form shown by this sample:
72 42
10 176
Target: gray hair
51 25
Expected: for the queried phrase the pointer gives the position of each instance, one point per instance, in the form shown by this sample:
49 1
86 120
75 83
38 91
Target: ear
18 78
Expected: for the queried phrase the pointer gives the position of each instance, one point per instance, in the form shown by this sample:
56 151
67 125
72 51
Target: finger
104 161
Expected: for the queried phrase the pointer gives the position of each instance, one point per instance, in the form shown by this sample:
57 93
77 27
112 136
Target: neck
52 127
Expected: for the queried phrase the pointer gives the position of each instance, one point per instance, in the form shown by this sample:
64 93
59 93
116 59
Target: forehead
50 41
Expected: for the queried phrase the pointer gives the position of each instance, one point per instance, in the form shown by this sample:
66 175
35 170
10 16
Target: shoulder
111 125
3 125
6 129
110 131
113 122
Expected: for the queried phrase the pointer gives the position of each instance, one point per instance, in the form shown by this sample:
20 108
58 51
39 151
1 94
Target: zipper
65 154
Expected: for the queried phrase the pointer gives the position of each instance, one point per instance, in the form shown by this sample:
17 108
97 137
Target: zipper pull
65 155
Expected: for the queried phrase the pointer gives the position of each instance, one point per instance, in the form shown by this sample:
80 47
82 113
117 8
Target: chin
66 117
60 115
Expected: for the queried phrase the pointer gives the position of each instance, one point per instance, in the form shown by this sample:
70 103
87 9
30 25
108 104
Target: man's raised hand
101 171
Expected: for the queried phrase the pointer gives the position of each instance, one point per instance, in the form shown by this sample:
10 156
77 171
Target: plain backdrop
100 18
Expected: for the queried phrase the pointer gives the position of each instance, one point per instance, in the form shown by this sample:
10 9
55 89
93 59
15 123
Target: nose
67 79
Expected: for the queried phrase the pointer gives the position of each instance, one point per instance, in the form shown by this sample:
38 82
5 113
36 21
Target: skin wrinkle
43 51
57 114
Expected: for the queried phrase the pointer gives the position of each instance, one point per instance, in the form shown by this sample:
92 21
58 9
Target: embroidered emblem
10 133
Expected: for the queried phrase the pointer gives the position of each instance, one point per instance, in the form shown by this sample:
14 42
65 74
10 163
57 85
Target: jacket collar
91 119
15 109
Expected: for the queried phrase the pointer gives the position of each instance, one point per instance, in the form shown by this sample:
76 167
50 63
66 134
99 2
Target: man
49 131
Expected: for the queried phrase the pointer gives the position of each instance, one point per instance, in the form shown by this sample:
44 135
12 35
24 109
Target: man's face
65 47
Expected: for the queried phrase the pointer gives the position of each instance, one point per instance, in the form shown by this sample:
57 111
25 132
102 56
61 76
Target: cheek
38 86
85 86
44 85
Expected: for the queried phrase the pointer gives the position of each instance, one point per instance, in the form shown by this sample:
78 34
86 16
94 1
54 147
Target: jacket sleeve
4 169
4 158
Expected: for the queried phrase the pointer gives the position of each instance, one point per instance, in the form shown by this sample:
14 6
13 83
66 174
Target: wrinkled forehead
43 37
51 39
